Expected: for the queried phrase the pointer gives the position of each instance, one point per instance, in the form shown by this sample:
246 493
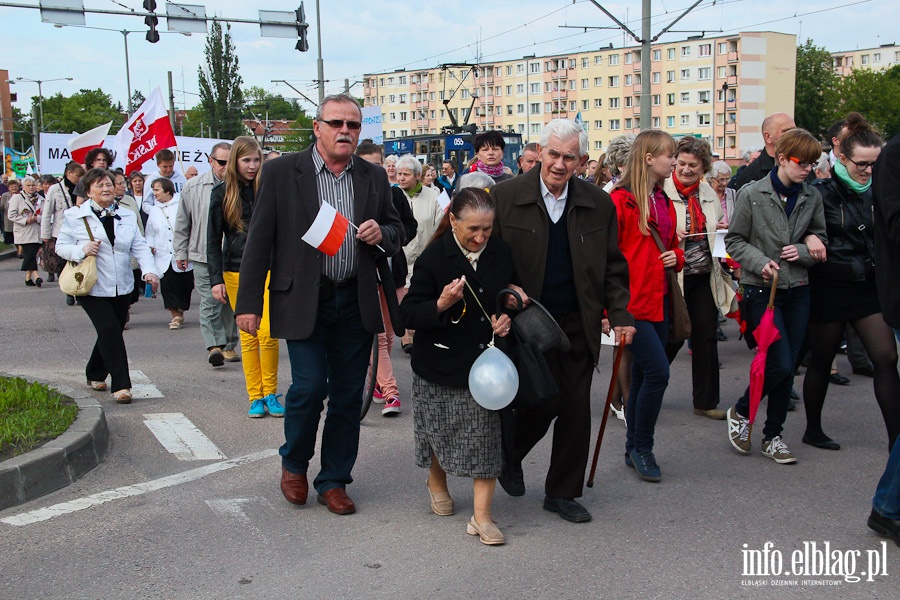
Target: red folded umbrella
766 333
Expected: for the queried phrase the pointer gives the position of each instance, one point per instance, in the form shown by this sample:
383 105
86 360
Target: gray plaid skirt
464 436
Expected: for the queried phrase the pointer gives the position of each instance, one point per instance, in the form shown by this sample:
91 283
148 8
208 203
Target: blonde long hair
243 146
636 177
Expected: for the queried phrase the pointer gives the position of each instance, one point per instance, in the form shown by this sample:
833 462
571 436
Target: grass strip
30 415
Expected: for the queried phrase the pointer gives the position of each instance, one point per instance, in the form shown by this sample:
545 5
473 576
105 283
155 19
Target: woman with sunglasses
778 225
230 209
843 287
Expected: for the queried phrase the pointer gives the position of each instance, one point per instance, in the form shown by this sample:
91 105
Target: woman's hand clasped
91 248
669 259
501 325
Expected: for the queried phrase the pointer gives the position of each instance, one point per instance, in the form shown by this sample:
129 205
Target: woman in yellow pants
230 209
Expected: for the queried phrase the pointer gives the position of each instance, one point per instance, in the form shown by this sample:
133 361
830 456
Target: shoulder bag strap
88 227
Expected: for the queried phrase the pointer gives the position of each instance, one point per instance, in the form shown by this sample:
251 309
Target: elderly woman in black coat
451 305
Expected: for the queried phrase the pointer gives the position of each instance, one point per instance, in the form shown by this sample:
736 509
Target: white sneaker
738 431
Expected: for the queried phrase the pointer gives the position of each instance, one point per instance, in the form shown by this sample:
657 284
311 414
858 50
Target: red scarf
691 193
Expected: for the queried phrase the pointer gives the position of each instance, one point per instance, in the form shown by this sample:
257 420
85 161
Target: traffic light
302 29
151 21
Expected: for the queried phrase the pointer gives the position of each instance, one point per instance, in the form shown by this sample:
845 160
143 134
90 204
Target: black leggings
878 339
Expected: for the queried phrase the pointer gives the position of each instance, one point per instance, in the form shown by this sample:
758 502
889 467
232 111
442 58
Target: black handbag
536 382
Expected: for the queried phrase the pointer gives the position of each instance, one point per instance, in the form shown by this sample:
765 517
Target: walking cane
609 395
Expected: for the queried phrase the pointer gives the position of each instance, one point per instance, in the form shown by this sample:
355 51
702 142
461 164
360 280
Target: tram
433 149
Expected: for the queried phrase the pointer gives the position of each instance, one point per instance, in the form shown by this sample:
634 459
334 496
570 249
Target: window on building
704 119
598 103
598 144
598 124
655 124
864 59
613 103
520 68
509 69
535 108
509 90
629 123
571 63
670 99
584 62
670 121
614 124
613 59
598 81
585 104
685 97
685 50
704 73
535 67
586 125
657 77
393 116
520 88
876 58
520 109
703 96
432 115
585 83
723 48
656 99
464 94
393 133
390 81
629 58
535 88
402 80
509 110
548 87
548 107
670 76
404 116
613 81
521 127
629 101
571 84
657 55
720 118
628 80
598 60
392 98
571 105
720 72
670 54
705 49
685 74
685 120
536 128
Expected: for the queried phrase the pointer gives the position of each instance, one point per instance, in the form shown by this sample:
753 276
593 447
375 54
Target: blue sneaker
257 409
273 406
645 464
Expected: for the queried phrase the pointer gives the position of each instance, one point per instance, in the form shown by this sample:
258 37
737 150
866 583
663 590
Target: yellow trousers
259 353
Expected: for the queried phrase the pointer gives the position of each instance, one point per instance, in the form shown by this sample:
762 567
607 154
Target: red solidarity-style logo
138 129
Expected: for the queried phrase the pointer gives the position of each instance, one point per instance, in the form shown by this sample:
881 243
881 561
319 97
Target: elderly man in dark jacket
563 234
326 307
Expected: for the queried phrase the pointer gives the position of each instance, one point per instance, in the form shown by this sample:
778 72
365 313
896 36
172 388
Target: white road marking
142 387
128 491
181 437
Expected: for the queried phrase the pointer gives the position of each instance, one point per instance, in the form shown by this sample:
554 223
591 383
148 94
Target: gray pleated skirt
464 436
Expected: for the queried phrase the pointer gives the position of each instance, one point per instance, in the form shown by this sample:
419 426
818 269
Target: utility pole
320 66
646 43
171 102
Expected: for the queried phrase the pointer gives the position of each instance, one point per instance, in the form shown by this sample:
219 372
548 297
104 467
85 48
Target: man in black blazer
326 307
563 234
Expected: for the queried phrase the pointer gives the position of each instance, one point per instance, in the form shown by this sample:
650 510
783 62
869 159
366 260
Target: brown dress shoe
337 501
294 486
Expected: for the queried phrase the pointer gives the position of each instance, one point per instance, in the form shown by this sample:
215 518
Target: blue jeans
649 379
887 494
791 319
331 363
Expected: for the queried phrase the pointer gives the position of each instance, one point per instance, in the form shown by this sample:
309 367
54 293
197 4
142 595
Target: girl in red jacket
642 206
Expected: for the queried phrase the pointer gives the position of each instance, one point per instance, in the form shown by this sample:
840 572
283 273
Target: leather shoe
567 508
838 379
294 486
717 414
337 501
512 480
884 526
821 441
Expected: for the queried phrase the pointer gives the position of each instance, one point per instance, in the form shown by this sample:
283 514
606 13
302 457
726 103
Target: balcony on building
733 56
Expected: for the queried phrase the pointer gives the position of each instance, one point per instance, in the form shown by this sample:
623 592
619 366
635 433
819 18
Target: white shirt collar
555 206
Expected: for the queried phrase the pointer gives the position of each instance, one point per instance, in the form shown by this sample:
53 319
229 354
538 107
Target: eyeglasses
862 166
338 123
221 162
802 165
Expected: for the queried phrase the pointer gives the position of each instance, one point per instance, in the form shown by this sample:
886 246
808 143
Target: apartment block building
882 57
717 88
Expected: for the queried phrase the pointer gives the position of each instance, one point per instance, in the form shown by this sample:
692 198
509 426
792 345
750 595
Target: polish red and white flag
328 230
83 143
147 132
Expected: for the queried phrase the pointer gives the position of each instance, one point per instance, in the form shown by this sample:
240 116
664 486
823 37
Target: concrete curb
61 461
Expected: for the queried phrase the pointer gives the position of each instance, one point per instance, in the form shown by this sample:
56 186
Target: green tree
301 135
874 94
814 94
137 98
221 98
263 104
80 112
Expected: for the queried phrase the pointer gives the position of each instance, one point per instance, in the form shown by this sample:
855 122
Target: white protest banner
371 125
191 151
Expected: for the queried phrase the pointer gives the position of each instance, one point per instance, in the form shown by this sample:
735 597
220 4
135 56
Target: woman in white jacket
114 238
177 284
25 213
